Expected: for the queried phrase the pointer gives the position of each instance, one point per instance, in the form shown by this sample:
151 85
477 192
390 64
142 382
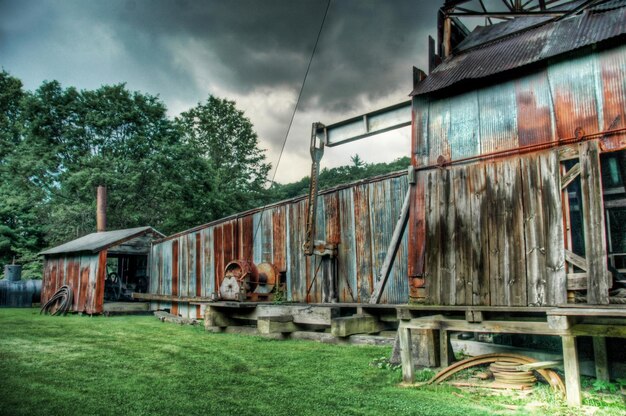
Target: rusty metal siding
77 270
585 92
360 218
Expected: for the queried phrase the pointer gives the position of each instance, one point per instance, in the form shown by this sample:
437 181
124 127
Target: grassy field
139 366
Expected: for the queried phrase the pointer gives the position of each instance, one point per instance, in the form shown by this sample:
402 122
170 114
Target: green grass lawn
79 365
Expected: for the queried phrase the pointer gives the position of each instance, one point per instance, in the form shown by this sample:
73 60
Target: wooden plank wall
494 234
359 218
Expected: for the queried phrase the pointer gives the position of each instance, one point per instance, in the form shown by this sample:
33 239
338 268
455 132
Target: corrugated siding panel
612 66
498 121
573 90
543 106
78 272
464 136
396 289
535 118
361 219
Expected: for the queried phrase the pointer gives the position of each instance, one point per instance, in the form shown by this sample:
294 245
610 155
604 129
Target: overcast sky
254 52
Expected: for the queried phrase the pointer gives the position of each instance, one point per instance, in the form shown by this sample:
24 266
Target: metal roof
96 242
481 58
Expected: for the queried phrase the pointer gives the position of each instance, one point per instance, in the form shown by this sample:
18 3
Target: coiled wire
62 299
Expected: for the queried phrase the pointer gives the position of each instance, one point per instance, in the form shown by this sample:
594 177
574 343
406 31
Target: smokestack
101 209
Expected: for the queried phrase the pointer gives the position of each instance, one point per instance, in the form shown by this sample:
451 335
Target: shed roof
96 242
522 41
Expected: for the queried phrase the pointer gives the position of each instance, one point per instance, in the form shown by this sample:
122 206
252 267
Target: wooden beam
601 359
356 324
593 223
572 370
408 371
214 318
577 281
392 250
576 260
570 175
276 324
446 354
510 327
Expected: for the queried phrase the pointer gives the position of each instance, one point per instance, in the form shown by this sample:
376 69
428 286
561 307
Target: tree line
57 144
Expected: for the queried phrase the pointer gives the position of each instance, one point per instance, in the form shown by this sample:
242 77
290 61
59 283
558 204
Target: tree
235 168
21 204
57 144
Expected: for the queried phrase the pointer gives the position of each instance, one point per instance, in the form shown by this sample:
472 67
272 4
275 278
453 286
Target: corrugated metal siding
360 218
77 271
586 92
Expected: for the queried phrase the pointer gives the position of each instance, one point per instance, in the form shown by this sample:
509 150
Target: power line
295 109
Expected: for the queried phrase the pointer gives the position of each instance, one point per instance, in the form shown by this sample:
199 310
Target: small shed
100 267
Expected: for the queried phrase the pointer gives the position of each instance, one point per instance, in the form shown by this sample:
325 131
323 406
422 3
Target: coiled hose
62 299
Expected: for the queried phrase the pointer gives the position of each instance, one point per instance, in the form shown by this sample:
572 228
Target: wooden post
572 371
446 355
601 359
408 372
593 223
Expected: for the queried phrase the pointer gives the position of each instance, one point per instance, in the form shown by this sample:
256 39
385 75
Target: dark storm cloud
252 51
366 49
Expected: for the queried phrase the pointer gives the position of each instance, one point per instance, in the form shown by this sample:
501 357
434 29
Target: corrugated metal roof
95 242
526 47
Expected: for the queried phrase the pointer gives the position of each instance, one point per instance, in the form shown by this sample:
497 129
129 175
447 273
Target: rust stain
84 287
280 237
534 121
98 298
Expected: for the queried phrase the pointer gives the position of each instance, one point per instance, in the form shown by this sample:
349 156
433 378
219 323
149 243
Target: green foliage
329 178
58 144
605 386
384 364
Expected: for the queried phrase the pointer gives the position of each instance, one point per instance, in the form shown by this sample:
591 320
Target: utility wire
295 110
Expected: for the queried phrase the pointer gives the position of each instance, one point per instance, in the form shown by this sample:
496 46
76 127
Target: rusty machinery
246 281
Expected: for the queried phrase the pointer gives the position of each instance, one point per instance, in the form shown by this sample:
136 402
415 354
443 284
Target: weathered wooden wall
494 233
490 230
84 274
359 217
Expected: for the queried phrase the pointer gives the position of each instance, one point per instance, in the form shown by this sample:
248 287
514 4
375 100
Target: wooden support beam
572 370
473 316
510 327
214 318
577 281
593 223
601 359
276 324
302 314
570 175
392 250
356 324
408 371
576 260
446 355
568 152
